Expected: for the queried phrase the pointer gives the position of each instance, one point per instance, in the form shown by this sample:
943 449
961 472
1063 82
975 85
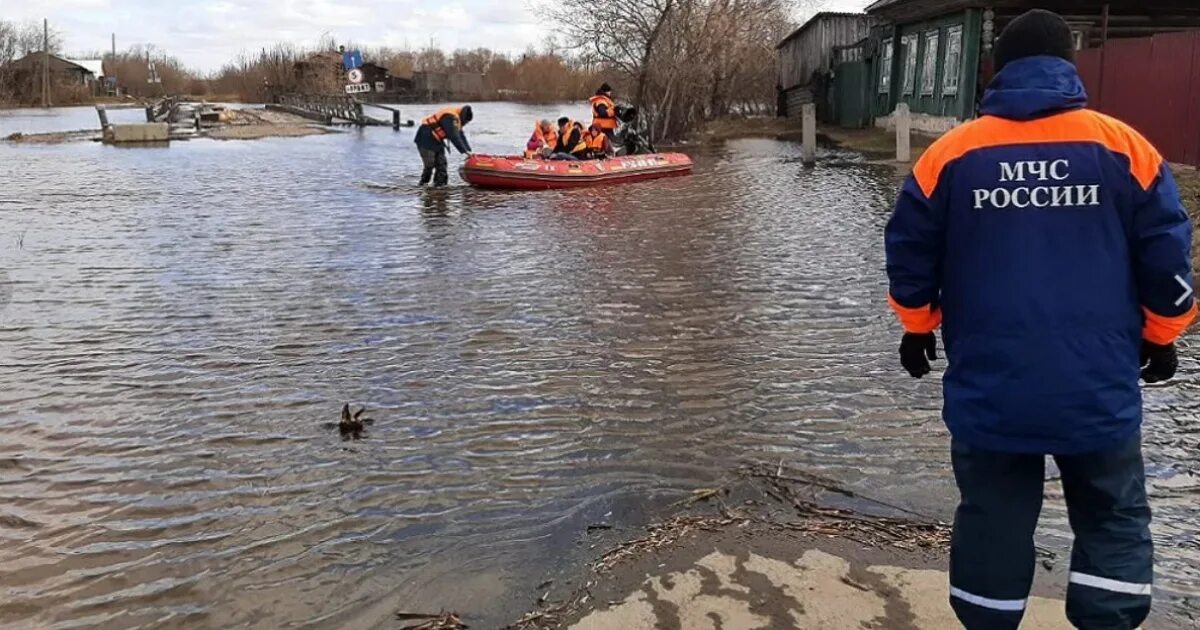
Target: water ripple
184 322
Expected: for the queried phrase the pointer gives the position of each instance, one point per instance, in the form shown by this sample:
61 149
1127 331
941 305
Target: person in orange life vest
599 146
431 140
543 141
570 140
604 111
1050 245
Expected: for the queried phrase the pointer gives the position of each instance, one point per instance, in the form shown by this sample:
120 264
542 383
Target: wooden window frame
929 61
950 80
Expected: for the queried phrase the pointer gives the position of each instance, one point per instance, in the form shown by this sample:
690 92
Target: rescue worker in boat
604 111
570 140
1050 245
543 141
599 146
431 140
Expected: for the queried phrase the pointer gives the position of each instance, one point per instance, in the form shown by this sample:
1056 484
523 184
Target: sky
204 34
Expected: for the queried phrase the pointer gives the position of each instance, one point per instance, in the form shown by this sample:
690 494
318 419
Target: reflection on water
185 321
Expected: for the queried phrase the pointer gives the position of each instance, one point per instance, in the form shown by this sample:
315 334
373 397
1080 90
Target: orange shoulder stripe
916 320
1163 330
1082 125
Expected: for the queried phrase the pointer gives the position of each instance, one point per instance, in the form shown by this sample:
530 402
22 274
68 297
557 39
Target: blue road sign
352 59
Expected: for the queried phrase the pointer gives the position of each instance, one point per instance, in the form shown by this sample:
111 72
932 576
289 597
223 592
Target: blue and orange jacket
1047 240
444 125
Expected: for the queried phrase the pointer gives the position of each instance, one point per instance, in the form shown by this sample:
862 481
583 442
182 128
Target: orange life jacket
565 136
435 121
544 138
595 141
609 122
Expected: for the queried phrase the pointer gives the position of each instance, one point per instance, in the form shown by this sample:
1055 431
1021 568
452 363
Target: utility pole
114 45
45 62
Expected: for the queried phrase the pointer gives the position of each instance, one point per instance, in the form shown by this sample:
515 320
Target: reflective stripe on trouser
992 553
1112 562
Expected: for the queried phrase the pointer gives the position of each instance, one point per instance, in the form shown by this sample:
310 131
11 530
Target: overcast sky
206 33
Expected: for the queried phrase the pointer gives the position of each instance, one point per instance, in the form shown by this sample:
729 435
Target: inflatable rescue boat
497 171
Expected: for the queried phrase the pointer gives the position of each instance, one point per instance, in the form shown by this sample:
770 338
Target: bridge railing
339 106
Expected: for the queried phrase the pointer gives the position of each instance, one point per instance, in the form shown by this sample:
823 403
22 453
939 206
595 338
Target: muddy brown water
184 320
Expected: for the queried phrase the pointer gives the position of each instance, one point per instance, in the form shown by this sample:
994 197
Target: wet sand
254 124
760 576
770 552
57 137
241 124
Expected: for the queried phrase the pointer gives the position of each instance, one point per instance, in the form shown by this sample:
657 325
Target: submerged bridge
335 109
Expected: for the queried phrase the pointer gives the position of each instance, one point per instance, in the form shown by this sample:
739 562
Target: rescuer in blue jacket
431 140
1050 245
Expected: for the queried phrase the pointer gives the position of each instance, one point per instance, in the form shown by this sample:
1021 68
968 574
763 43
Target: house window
885 68
909 44
953 66
929 63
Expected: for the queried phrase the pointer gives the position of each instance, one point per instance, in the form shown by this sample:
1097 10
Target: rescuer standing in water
1050 245
431 139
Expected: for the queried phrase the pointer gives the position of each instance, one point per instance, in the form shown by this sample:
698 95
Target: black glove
1159 363
916 351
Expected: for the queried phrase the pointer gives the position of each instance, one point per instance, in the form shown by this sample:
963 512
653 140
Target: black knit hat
466 115
604 89
1036 32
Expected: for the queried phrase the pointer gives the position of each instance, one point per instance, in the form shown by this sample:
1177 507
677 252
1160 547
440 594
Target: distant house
431 86
320 73
442 86
806 55
466 86
935 55
62 71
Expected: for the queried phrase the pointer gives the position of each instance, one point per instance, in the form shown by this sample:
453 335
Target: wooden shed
64 71
806 55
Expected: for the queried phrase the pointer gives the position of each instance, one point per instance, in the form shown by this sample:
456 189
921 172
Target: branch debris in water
441 621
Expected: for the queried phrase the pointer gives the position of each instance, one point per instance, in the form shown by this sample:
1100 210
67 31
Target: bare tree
684 61
16 41
622 34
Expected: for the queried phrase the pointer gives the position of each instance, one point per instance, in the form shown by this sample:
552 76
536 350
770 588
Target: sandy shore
58 137
760 576
241 124
767 551
253 124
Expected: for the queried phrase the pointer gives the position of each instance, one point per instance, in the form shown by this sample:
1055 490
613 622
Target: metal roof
813 20
925 8
95 66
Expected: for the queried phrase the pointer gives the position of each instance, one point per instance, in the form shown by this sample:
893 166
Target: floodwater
183 321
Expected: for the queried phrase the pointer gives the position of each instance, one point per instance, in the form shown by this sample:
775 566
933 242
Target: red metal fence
1152 83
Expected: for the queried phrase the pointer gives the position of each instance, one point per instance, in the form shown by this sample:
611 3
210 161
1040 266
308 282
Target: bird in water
351 426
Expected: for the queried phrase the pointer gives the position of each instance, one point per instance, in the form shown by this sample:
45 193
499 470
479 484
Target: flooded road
183 321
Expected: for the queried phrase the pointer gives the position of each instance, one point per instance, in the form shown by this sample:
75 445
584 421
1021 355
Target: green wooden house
935 55
927 59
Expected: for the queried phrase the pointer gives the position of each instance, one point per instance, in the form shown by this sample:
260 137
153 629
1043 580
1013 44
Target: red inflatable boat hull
497 171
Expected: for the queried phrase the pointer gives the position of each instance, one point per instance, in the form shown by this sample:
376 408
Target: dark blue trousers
992 552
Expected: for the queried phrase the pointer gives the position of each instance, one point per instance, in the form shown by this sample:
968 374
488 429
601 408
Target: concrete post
903 133
103 113
808 136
